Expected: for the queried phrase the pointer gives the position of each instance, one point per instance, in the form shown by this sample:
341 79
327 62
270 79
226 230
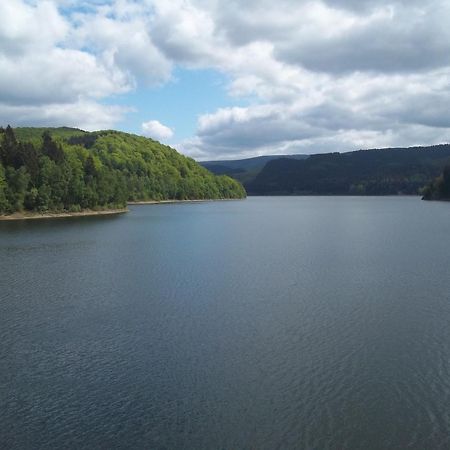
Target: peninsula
61 172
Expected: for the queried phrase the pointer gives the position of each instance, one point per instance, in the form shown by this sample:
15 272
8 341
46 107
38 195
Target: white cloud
309 75
156 130
24 27
324 75
58 75
348 113
121 36
57 69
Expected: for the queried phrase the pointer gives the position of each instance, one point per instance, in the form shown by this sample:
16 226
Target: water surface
288 322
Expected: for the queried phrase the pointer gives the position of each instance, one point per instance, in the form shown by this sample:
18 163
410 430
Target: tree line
439 189
100 170
364 172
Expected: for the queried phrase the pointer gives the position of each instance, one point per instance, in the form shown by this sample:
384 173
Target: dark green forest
65 169
439 189
365 172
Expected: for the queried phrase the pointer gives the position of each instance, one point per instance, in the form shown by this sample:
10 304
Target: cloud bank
314 75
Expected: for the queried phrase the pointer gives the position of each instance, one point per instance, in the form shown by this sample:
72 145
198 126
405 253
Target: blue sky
178 103
235 79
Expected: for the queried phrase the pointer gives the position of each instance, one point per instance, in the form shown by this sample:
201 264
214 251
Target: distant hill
243 170
387 171
66 169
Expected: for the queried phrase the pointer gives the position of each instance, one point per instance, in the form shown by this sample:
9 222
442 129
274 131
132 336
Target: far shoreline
28 215
162 202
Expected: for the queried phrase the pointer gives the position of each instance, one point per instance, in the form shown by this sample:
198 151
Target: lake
277 322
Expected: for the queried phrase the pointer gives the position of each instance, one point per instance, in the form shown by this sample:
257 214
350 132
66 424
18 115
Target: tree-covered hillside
64 169
365 172
244 170
439 189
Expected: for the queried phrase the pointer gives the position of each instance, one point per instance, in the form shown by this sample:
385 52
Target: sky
232 79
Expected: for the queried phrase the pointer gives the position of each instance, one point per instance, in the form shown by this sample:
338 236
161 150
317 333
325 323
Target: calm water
309 323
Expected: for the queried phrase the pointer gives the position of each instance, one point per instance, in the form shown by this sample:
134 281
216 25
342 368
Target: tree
30 159
89 167
4 204
51 149
10 151
17 187
445 187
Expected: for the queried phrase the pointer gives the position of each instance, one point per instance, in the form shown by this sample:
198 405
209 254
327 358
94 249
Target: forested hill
65 169
244 170
364 172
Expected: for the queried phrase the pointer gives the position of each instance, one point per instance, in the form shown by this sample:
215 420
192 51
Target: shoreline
62 215
103 212
162 202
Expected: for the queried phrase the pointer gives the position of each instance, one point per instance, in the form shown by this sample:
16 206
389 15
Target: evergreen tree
10 154
30 158
4 204
51 149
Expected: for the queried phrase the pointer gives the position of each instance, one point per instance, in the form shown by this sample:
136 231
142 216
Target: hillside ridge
388 171
66 169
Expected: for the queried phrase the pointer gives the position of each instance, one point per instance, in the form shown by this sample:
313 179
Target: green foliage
34 135
4 204
65 169
51 149
17 181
